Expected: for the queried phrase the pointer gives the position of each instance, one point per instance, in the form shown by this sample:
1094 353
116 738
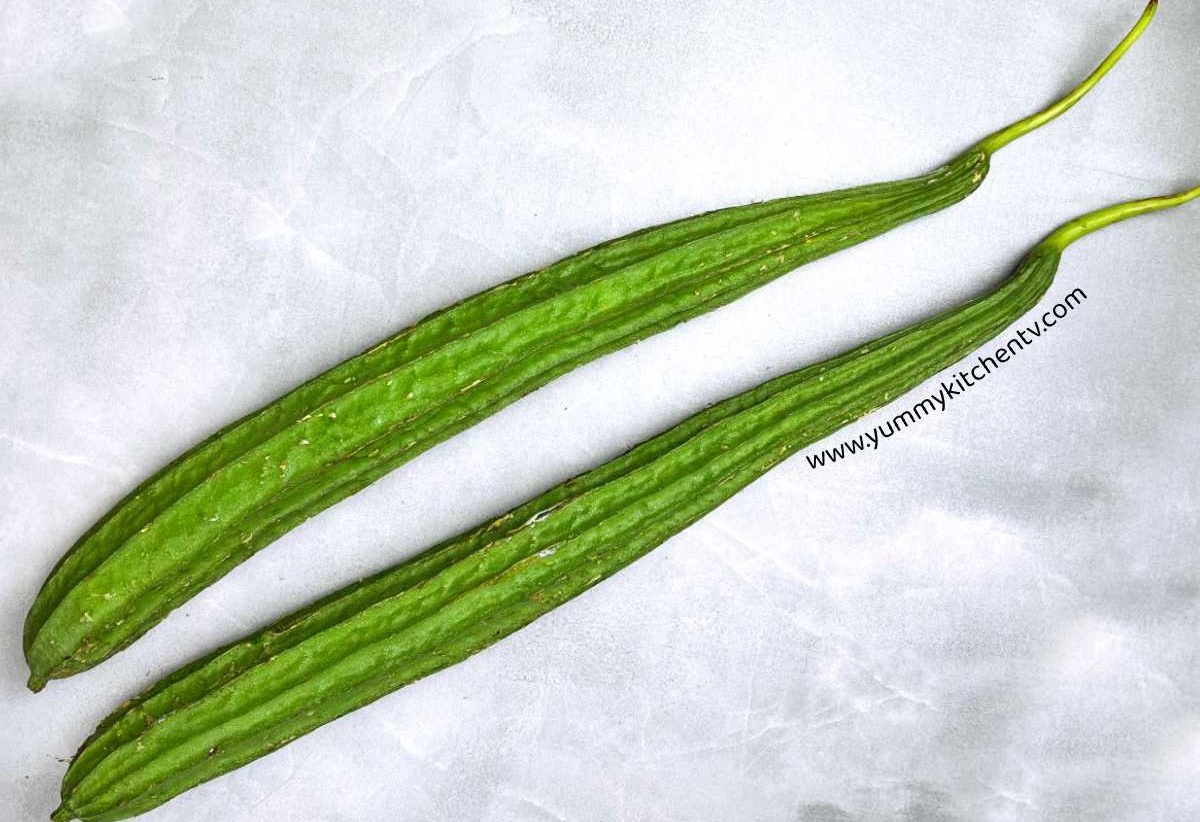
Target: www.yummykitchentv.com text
951 387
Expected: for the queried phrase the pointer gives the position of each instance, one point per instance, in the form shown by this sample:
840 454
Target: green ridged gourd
215 506
375 636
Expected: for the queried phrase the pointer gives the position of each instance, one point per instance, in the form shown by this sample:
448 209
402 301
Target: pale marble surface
993 617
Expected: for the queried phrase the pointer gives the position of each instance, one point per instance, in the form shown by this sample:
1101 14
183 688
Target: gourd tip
62 814
36 683
1071 231
998 140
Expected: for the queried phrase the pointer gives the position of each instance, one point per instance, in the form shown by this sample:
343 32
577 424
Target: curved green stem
1071 231
1004 136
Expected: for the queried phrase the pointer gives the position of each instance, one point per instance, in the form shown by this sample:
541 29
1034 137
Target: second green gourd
216 505
373 637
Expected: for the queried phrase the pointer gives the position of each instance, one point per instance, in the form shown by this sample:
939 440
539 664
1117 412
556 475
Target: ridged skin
460 597
215 506
192 522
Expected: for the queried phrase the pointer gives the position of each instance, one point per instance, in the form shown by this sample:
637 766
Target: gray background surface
993 617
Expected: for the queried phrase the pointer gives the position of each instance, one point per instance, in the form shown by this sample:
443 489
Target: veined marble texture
994 616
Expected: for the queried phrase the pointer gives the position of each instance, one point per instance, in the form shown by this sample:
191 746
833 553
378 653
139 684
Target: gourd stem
1006 135
1071 231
